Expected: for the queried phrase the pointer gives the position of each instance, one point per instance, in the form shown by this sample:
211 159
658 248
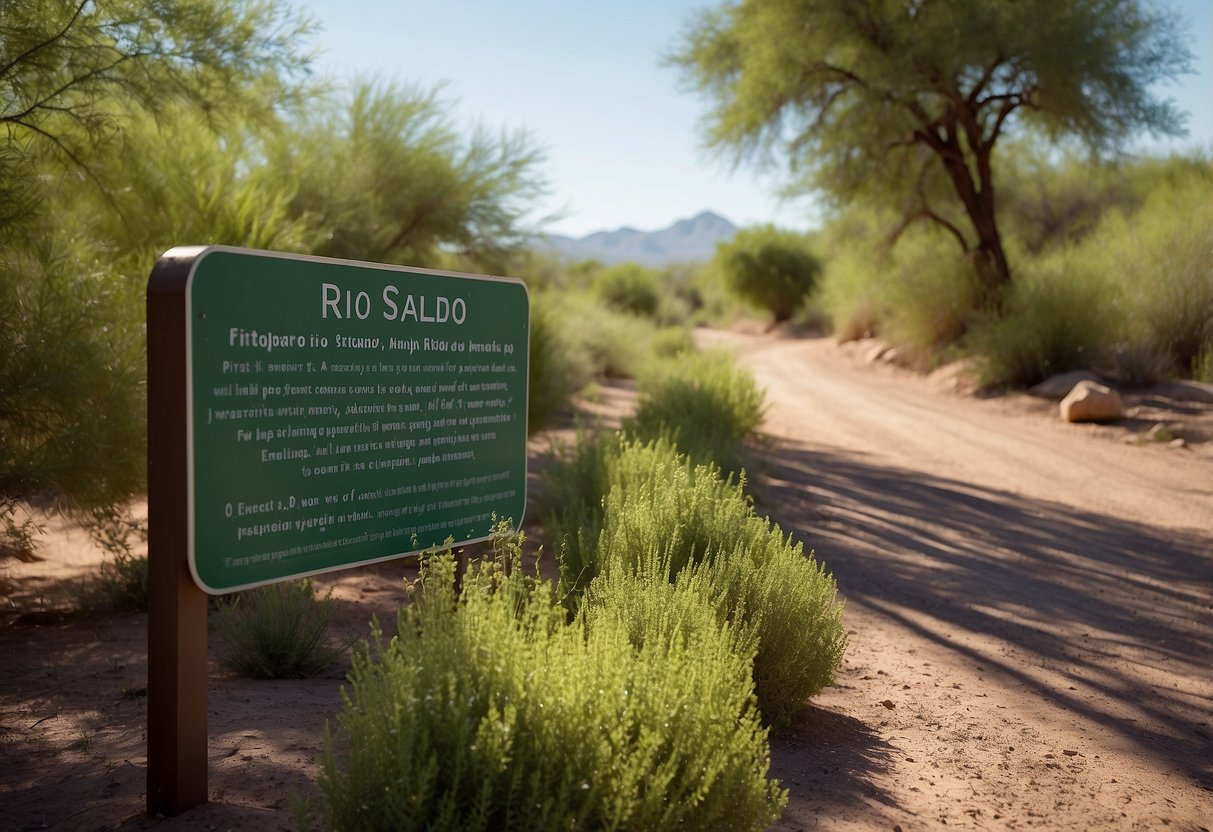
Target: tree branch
4 70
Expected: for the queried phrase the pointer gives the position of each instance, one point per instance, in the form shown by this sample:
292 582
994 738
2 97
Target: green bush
707 404
1056 318
280 631
488 711
576 486
771 269
119 586
622 510
629 287
680 521
1158 268
73 407
557 370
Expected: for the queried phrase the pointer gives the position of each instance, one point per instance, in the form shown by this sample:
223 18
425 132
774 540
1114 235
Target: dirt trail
1030 606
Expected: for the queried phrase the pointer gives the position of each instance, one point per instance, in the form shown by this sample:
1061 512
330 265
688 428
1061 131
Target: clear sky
586 79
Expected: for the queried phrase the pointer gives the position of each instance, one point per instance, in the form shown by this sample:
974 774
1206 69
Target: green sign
341 413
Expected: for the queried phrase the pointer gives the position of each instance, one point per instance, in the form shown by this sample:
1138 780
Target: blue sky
620 134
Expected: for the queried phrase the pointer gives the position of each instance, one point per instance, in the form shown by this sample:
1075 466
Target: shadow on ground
1059 588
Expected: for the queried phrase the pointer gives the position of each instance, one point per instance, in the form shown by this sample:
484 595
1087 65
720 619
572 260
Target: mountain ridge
684 241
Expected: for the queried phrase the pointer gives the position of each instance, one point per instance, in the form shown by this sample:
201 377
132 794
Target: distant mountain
685 241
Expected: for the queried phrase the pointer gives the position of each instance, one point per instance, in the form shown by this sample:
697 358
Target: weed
119 586
278 631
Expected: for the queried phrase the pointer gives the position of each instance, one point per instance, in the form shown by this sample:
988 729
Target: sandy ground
1030 607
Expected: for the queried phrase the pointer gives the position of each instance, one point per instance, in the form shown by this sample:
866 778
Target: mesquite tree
905 101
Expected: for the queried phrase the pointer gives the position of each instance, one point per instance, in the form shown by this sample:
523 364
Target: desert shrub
671 341
707 404
851 294
617 343
629 287
73 408
120 585
1056 318
771 269
1157 266
680 520
575 486
556 369
932 296
279 631
488 711
623 510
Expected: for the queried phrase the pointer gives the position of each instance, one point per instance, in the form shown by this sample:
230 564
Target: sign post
309 415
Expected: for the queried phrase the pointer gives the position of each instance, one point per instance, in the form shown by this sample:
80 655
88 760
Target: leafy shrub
682 521
555 369
278 631
1157 265
703 401
576 486
671 341
72 399
487 711
629 287
121 582
1056 319
624 510
771 269
119 586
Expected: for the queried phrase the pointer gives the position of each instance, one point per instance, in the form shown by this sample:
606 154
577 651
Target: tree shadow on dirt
1122 610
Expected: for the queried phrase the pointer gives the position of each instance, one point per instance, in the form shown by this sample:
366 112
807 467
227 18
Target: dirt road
1030 606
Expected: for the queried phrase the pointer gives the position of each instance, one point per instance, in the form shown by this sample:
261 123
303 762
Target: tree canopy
69 68
904 101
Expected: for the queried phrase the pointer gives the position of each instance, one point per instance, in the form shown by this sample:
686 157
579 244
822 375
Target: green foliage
1158 270
72 69
72 398
575 488
1056 319
771 269
1134 297
904 106
629 287
680 521
626 514
707 404
279 631
381 173
119 586
555 373
489 712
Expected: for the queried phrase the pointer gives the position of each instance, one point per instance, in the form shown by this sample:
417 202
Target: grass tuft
280 631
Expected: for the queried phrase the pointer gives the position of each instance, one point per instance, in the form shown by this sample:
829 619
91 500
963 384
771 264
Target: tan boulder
1090 401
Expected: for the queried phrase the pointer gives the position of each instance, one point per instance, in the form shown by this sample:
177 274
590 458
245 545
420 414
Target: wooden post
176 640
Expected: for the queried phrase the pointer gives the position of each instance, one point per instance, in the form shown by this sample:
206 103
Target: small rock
876 352
1069 753
1091 402
1059 386
1177 443
1188 391
888 703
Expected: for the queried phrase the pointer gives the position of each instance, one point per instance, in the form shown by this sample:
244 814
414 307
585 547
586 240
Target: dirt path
1030 606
